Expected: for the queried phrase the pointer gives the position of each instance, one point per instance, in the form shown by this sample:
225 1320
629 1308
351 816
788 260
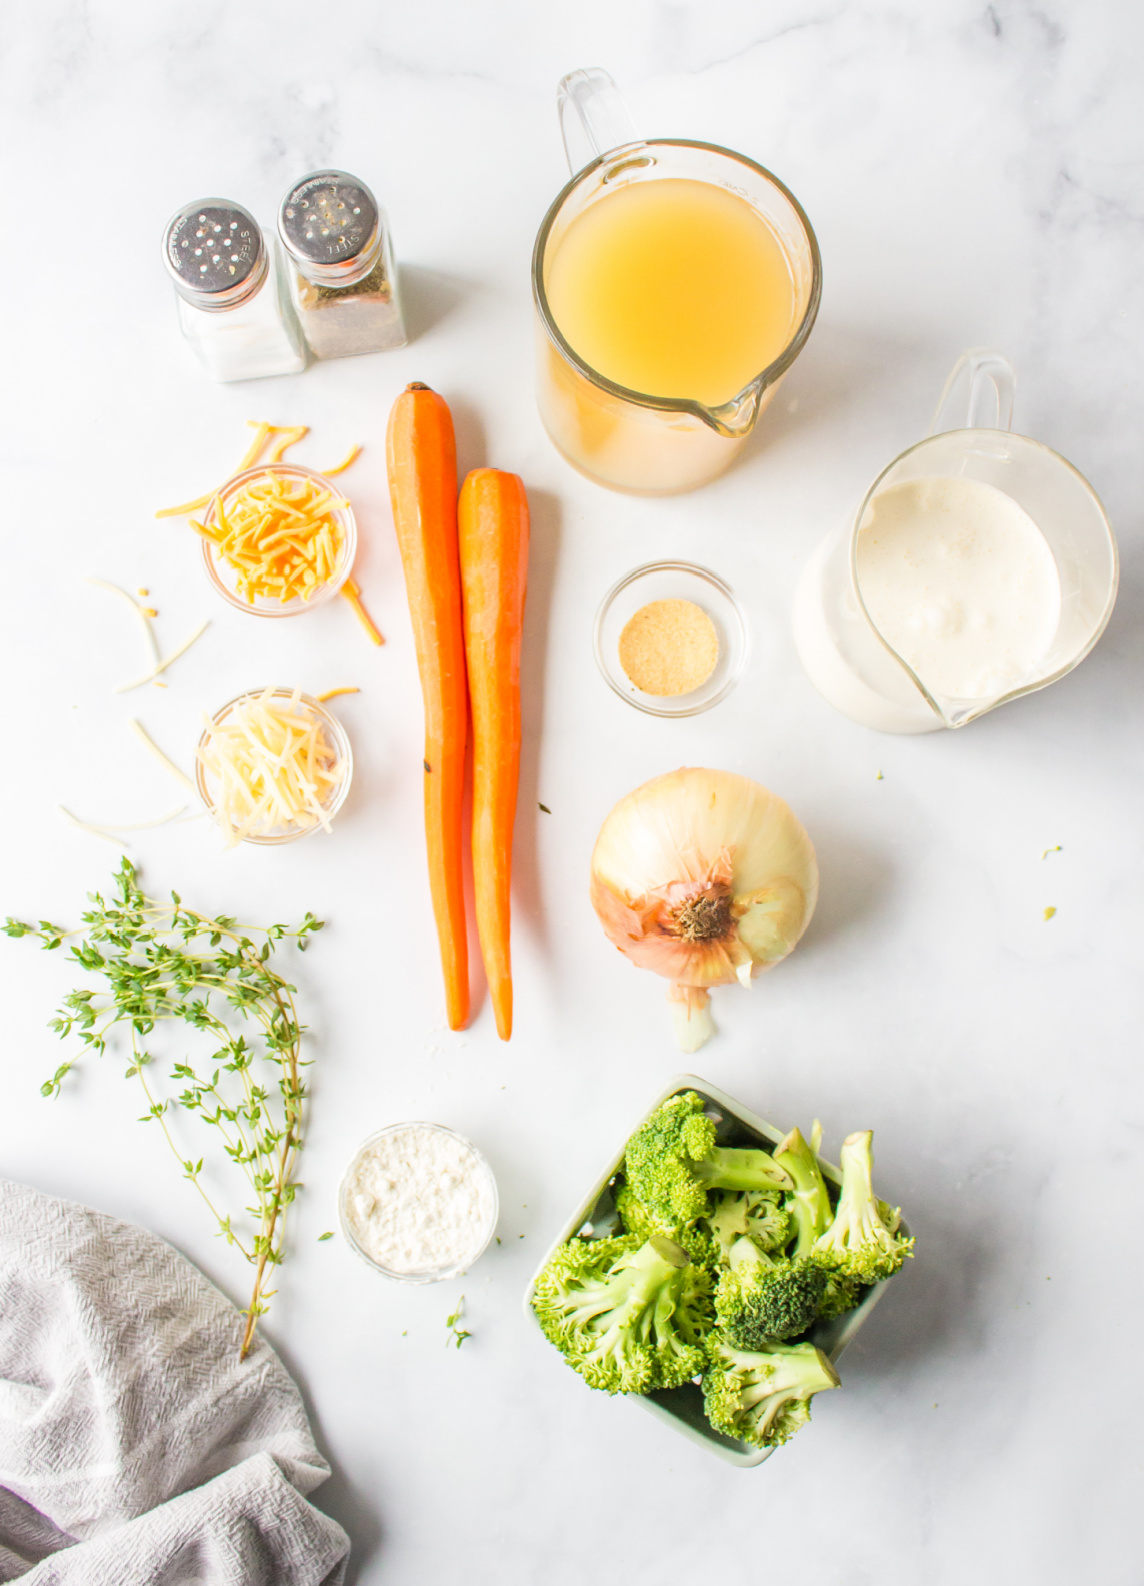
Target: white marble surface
975 176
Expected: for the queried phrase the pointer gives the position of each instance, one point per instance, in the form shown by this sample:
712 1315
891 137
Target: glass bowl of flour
418 1202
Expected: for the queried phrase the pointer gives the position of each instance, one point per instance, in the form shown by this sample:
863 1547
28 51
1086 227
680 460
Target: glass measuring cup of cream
979 567
675 283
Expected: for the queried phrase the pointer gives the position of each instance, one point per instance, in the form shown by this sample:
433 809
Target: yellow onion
707 878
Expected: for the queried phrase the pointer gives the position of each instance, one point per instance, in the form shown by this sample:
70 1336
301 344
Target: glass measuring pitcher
981 552
624 437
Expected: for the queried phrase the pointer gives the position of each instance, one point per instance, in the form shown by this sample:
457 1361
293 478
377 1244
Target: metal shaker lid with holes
331 227
214 253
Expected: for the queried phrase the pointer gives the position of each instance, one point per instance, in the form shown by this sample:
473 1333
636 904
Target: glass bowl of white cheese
418 1202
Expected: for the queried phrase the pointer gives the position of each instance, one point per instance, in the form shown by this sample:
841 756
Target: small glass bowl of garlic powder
418 1202
670 639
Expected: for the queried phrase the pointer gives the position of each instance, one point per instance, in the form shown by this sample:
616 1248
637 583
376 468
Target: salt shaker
232 307
340 272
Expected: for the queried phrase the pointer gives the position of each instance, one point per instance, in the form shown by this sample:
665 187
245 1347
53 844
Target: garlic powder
417 1198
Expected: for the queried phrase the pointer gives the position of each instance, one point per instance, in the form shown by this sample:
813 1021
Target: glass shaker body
233 308
340 271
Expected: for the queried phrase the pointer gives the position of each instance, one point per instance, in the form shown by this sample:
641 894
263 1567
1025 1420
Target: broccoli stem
744 1251
731 1168
859 1238
809 1203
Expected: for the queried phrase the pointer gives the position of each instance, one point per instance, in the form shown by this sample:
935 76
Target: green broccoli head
760 1299
636 1219
672 1161
841 1294
861 1242
759 1215
763 1396
628 1314
808 1202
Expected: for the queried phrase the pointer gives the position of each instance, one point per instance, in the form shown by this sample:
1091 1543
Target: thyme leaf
457 1335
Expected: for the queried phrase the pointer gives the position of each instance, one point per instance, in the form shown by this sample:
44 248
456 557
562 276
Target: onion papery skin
704 877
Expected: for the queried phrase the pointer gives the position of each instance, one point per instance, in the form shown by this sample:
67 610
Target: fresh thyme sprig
163 961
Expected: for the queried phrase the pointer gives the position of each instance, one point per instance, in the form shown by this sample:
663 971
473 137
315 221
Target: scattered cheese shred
333 693
268 767
287 437
144 613
279 535
347 461
106 830
185 507
262 433
161 666
352 593
149 744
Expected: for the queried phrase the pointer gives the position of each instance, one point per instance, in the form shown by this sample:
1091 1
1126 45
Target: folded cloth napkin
135 1448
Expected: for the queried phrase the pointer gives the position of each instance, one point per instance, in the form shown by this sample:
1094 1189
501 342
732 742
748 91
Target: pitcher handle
992 385
593 116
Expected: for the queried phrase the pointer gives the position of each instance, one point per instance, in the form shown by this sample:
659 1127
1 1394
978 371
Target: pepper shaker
340 276
232 308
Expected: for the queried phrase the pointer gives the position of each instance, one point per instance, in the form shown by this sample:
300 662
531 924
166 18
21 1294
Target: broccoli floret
761 1216
628 1314
636 1219
763 1396
672 1161
760 1299
859 1243
842 1293
809 1203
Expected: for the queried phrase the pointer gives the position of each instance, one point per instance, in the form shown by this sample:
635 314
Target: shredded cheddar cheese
352 593
289 435
268 767
347 461
288 569
278 533
286 438
333 693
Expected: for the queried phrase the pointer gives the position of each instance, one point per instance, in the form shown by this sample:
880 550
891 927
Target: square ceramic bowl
682 1407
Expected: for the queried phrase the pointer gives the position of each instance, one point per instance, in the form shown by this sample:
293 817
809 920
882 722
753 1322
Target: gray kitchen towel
135 1448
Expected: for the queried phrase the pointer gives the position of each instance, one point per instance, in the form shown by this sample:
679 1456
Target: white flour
419 1199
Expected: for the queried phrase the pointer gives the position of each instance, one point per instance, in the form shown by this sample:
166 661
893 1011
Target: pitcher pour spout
737 417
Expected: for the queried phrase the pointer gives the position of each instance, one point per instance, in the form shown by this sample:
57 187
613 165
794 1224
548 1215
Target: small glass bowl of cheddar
278 540
272 765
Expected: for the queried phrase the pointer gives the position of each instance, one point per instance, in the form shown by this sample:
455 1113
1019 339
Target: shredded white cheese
161 666
142 612
106 829
419 1200
168 764
269 767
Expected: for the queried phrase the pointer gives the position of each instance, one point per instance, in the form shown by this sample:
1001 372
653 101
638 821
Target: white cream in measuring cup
960 582
979 567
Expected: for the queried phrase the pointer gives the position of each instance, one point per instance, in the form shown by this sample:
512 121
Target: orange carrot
422 460
492 519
